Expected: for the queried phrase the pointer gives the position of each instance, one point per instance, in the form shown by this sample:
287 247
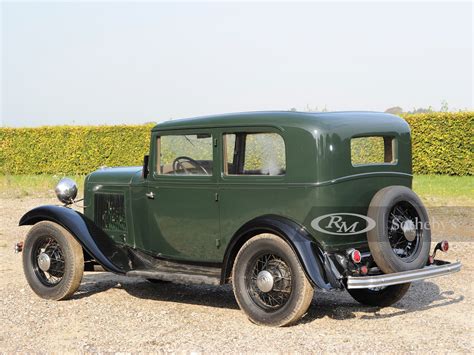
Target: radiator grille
110 212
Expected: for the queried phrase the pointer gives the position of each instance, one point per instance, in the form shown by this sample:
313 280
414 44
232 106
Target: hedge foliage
71 150
443 143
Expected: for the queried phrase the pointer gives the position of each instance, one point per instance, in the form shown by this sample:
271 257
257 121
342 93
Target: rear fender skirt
93 239
311 256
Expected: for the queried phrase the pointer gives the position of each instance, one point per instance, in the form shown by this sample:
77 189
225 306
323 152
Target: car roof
303 120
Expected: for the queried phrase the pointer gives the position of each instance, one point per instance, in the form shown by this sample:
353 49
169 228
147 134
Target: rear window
372 150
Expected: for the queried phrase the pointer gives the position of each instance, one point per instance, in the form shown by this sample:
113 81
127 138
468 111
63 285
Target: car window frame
393 150
250 177
156 146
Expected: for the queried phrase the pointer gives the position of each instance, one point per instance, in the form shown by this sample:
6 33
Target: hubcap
44 261
409 230
264 281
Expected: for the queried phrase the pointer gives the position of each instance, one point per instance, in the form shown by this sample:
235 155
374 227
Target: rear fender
93 239
316 264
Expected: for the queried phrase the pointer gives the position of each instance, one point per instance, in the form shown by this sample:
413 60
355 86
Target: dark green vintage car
276 203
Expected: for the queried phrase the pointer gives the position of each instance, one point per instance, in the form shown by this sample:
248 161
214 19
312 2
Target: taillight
355 256
444 246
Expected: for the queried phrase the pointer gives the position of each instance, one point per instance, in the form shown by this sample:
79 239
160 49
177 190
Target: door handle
150 195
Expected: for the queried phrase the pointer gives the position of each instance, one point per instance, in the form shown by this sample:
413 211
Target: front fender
315 262
92 238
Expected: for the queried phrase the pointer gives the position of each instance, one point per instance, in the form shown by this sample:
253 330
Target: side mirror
145 170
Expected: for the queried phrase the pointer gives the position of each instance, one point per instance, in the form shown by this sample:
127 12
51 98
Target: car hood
118 176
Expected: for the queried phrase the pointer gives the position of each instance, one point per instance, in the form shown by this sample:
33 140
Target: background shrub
71 150
443 143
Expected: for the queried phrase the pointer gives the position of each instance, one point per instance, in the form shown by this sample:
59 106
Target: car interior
262 160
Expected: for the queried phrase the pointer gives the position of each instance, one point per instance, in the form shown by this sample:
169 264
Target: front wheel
53 261
269 283
379 296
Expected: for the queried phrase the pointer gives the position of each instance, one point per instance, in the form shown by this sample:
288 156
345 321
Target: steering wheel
178 164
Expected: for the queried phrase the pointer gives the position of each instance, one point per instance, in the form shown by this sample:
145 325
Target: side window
189 154
372 150
254 154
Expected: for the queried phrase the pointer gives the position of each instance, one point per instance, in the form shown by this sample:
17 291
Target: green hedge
442 144
71 150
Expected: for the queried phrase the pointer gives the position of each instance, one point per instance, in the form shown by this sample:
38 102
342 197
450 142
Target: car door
183 213
253 180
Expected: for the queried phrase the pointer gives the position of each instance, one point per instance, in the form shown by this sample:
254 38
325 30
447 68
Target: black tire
66 257
390 207
157 281
291 292
380 298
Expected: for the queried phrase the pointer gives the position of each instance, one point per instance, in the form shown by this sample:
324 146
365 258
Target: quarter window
254 154
372 150
189 154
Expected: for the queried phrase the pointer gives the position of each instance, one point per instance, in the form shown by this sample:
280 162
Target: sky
110 62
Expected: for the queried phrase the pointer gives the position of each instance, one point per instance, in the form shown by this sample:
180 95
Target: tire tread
73 252
304 294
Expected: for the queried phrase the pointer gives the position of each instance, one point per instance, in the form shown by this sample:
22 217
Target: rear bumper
441 269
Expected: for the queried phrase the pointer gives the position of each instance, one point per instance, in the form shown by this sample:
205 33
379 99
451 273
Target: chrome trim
44 261
66 191
265 281
354 282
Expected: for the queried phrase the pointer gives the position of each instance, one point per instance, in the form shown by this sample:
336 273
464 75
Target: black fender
93 239
316 264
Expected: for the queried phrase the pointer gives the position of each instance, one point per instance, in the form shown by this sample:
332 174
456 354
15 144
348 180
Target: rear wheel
53 261
380 296
269 283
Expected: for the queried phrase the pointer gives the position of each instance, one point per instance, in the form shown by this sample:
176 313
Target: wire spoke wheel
48 261
269 281
404 230
53 261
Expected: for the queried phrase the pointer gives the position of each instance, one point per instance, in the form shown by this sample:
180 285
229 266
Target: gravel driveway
114 313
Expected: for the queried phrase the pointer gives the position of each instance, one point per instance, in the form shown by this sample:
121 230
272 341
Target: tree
422 110
444 106
396 110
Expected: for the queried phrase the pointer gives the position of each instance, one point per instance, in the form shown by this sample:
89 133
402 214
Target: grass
17 186
445 190
435 190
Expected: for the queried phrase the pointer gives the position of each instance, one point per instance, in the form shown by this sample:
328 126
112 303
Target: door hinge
215 142
216 196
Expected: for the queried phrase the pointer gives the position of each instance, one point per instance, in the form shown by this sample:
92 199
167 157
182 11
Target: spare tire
401 238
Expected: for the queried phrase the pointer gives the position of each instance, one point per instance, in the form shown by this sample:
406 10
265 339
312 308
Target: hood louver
110 211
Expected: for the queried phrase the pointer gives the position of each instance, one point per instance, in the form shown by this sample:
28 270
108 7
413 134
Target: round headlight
66 190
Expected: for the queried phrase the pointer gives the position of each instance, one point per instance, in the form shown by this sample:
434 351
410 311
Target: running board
180 273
